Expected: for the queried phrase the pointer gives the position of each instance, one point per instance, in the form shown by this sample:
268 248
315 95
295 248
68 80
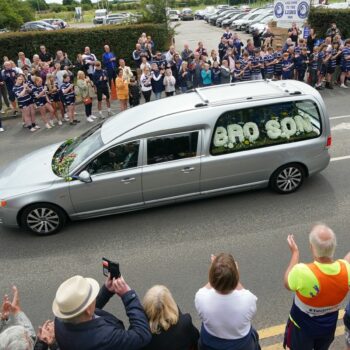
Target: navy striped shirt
345 57
39 101
25 100
268 59
278 65
68 97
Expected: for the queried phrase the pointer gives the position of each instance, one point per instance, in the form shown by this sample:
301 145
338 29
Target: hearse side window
172 147
124 156
267 125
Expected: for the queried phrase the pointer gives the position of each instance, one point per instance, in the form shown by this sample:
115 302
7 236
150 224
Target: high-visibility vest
330 293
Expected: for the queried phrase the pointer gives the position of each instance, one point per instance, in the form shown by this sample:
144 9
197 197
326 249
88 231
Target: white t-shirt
226 316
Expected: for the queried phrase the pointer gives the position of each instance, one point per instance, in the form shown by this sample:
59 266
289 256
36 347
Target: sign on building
291 10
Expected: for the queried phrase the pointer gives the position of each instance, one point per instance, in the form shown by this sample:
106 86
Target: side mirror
84 176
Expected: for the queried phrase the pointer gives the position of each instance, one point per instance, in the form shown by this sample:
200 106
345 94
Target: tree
13 15
86 2
38 5
154 11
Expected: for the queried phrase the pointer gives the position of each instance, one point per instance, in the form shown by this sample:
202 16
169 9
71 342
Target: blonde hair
160 308
81 75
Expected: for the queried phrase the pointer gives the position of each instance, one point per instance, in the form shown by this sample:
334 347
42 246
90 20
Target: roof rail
205 101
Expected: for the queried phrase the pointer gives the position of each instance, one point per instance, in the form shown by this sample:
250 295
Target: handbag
87 100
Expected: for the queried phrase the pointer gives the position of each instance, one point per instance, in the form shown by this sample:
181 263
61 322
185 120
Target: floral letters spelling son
235 134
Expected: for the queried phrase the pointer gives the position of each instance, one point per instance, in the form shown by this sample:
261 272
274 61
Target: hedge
321 19
121 39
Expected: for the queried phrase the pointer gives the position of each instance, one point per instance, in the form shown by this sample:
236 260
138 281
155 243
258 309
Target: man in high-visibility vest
320 288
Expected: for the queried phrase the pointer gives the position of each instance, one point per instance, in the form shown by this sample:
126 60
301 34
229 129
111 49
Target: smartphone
110 267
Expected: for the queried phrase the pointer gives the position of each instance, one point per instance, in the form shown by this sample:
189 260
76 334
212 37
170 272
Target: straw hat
74 296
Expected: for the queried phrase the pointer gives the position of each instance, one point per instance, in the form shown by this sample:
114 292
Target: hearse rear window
267 125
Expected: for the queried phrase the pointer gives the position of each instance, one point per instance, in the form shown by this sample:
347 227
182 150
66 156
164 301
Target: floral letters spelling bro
248 133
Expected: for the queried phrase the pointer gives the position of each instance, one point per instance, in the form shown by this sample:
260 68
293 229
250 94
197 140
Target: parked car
228 22
261 25
176 149
187 15
213 18
100 16
220 19
173 15
245 25
56 22
116 18
236 25
37 25
216 12
200 14
4 30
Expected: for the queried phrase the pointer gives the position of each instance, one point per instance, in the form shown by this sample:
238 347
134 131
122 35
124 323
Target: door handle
127 180
187 169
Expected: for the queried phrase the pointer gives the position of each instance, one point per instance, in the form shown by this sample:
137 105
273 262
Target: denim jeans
158 95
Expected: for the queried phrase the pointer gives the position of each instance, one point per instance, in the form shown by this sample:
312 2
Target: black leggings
88 109
147 95
3 95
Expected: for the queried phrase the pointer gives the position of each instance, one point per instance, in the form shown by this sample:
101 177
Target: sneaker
90 120
2 111
109 113
52 123
2 130
24 125
66 118
60 122
343 86
48 126
93 116
101 115
33 129
37 127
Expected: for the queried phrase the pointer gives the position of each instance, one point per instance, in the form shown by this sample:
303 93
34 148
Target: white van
100 16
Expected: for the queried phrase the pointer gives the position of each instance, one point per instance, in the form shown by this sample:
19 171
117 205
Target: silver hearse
206 142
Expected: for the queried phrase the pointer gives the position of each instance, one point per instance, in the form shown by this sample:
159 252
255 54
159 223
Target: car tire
288 178
43 219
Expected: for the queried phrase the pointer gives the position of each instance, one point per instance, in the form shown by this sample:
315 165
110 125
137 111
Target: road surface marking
339 158
279 329
340 117
341 126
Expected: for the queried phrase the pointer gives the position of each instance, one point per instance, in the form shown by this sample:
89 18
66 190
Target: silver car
210 141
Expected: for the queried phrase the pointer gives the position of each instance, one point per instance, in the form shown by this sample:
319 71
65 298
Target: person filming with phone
81 323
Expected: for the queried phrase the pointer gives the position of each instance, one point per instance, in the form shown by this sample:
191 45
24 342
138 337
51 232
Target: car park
173 15
213 18
200 14
261 25
245 25
221 19
215 13
228 22
187 15
210 141
236 25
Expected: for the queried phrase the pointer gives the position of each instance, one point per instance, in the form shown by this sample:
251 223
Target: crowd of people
51 84
226 309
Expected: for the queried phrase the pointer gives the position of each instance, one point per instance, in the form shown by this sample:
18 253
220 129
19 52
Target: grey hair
323 240
16 338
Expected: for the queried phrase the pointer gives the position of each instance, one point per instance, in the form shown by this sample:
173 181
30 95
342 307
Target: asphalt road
172 245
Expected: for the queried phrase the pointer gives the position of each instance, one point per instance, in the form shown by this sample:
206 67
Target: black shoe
72 123
76 121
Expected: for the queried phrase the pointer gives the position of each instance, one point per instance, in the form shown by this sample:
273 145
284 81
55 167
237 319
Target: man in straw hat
82 324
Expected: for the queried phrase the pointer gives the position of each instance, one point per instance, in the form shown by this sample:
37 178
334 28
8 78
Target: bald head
323 241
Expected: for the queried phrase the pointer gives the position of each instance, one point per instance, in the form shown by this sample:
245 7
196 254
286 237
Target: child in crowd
216 73
169 83
206 75
278 62
269 61
313 66
245 66
42 102
287 66
256 65
238 72
301 62
134 92
67 90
